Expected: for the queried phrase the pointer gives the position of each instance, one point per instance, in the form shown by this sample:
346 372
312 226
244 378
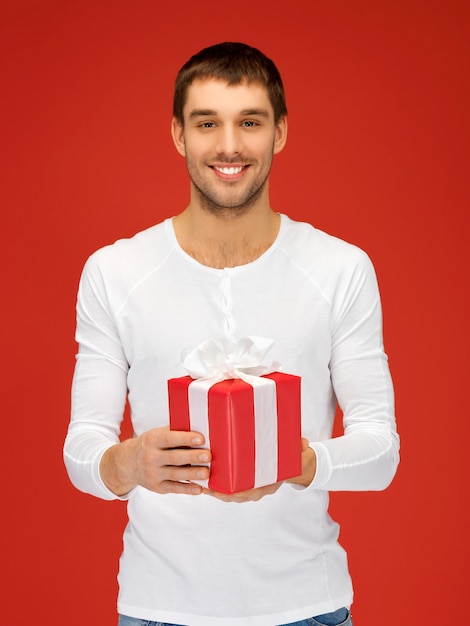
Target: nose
228 141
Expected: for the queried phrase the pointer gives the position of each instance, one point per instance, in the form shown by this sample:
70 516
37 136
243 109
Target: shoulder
113 272
131 257
337 269
319 252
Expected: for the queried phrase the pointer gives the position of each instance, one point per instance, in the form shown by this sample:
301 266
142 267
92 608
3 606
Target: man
228 266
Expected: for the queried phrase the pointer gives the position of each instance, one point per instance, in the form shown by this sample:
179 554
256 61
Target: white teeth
229 170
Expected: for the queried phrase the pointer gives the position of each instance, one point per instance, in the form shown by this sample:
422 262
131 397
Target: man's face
228 139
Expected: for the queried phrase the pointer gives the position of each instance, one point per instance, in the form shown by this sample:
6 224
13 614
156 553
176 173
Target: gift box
251 425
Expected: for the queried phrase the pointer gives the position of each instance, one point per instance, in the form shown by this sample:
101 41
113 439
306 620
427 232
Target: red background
377 151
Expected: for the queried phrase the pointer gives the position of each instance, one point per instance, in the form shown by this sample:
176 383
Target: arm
96 461
367 455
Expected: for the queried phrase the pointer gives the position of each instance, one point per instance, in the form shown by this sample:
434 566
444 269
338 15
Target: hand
161 460
251 495
309 466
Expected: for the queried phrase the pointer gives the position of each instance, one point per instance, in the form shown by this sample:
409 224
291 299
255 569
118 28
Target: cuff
324 466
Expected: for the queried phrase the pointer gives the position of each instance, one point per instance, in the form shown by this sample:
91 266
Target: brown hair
234 62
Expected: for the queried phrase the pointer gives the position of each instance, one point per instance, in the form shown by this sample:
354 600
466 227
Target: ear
177 133
281 135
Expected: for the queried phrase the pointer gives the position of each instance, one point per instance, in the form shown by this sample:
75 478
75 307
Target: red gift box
252 430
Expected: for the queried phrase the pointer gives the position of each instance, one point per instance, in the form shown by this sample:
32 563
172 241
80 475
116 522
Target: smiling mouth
229 170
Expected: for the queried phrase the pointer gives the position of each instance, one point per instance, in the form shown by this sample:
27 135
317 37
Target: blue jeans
341 617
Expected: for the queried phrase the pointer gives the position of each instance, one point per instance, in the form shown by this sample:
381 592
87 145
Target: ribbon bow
224 358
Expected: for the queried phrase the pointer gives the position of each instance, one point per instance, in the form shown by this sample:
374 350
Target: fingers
187 488
251 495
174 473
172 447
167 461
166 438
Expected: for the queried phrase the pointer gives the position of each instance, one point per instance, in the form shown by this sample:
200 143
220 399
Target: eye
207 125
248 123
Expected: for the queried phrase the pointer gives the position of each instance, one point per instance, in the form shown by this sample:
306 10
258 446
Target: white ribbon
224 359
216 360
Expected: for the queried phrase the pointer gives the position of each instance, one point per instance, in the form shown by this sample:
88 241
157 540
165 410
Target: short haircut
235 63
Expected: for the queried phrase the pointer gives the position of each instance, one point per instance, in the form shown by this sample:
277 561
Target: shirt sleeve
99 387
367 455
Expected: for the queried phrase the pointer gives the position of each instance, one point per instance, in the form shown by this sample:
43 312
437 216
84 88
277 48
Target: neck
227 239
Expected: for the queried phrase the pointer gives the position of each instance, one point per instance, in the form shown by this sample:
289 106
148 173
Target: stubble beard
210 200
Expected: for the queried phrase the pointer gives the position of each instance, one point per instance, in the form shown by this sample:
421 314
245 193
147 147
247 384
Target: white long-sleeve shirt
143 304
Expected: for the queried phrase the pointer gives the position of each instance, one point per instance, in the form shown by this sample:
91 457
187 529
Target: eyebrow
208 112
